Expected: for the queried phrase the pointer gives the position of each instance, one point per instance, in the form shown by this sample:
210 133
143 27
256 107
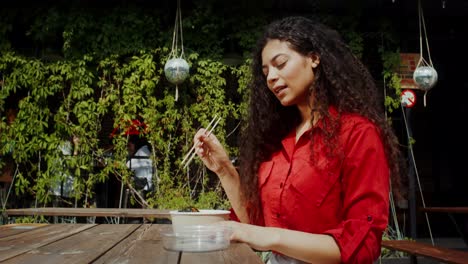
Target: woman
316 153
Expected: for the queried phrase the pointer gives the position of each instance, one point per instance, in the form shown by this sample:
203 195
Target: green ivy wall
74 69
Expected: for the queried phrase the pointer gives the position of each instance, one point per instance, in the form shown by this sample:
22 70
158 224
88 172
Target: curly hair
341 80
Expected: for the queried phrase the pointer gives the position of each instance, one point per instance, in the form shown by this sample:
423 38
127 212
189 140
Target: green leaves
391 62
74 97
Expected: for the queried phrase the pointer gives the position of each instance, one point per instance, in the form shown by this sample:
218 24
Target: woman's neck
305 111
302 128
304 125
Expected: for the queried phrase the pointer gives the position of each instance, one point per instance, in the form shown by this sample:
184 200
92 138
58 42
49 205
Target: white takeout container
196 238
203 217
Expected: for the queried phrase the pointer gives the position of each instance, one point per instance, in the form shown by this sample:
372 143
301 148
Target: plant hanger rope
175 36
422 26
177 68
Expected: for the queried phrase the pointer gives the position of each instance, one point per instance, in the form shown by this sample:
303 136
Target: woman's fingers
205 143
210 151
200 147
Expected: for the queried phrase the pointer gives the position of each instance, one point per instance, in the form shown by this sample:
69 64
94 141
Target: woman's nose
272 76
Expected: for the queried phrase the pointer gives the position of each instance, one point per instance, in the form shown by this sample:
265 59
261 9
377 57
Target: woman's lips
279 90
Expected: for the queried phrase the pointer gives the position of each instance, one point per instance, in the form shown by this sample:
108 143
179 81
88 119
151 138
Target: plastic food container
197 238
203 217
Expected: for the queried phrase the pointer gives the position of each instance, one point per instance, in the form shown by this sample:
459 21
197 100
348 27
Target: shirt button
277 215
369 218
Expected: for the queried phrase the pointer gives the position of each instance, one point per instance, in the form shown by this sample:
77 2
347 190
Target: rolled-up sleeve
365 182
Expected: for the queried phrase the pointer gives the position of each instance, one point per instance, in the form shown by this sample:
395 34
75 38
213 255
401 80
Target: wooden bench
412 247
450 210
98 212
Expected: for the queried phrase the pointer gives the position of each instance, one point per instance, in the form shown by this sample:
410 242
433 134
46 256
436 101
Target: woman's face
288 74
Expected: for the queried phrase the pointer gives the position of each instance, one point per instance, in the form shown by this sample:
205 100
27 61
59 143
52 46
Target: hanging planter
176 68
425 77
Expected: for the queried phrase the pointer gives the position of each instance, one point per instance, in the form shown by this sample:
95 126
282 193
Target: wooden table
105 243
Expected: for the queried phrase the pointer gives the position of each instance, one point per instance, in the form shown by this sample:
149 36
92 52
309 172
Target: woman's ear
315 59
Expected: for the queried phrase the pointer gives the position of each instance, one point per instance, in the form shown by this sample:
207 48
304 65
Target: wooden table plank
211 257
83 247
98 212
241 253
15 245
142 246
237 253
13 229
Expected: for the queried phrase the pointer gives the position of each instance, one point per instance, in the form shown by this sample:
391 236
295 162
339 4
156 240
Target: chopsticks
191 154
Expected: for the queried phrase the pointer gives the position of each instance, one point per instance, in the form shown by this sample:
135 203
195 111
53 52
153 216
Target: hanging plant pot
425 77
176 70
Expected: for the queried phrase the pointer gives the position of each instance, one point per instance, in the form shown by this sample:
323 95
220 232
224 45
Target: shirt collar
289 142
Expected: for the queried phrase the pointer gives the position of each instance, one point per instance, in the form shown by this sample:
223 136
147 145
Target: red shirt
346 198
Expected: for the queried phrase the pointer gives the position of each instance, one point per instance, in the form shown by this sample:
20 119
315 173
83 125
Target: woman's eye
281 64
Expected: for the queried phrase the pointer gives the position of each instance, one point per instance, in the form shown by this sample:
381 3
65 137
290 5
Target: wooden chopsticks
191 154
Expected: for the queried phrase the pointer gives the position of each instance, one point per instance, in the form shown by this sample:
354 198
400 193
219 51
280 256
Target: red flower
134 128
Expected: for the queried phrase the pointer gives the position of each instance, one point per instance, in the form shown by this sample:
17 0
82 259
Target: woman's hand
211 152
215 158
257 237
308 247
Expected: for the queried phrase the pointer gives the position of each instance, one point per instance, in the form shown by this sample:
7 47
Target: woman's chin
286 102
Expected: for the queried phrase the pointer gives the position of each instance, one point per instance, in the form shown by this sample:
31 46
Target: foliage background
84 67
